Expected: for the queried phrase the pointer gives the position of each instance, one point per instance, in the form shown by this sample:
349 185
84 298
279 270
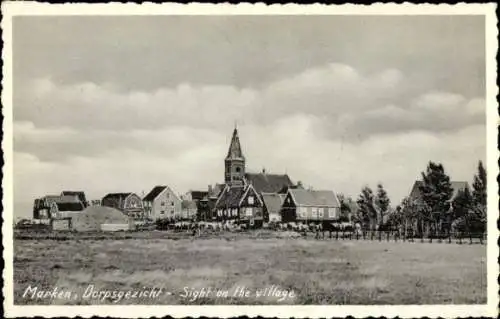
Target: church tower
235 162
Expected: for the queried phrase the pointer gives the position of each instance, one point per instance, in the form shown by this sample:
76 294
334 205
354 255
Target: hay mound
91 218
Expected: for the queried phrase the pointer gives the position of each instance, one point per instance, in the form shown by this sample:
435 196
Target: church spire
235 147
234 163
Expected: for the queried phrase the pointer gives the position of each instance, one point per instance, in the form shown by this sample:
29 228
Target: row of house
252 198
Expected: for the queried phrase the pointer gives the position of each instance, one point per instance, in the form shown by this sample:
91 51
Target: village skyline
128 117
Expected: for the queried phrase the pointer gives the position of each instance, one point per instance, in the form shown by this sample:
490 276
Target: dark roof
154 193
268 183
79 194
456 185
306 197
231 196
235 147
198 195
116 196
70 206
273 202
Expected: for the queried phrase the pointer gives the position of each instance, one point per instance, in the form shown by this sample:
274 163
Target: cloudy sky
107 104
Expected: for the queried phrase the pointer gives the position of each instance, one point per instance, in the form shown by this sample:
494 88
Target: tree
436 193
383 203
479 186
347 208
366 208
462 205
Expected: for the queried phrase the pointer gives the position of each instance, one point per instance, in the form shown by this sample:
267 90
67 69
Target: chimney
263 170
210 189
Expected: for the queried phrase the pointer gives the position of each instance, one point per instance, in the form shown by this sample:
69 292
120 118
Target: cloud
331 127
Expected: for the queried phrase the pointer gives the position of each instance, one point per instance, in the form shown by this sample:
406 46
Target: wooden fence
457 237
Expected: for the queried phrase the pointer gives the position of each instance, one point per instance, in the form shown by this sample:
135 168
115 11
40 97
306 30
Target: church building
241 196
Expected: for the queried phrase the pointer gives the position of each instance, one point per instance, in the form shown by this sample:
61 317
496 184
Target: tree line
435 209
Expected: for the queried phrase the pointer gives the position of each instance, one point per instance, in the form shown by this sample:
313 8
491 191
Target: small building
128 203
272 206
240 203
310 206
161 202
55 206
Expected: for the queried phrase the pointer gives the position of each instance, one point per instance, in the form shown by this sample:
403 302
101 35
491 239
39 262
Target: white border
10 9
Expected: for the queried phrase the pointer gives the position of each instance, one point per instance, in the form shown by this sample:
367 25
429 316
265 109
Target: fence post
337 235
470 237
330 234
357 236
371 234
379 236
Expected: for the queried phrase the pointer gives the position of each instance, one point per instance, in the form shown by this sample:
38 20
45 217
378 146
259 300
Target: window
248 211
250 200
235 212
314 213
302 212
238 169
320 212
219 212
162 203
331 212
172 204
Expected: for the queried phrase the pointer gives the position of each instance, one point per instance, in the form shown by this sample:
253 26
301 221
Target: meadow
304 270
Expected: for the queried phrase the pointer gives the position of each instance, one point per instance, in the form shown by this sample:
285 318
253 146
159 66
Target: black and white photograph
192 157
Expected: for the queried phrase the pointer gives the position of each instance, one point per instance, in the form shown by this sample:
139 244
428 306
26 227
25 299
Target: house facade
310 206
240 203
129 203
161 203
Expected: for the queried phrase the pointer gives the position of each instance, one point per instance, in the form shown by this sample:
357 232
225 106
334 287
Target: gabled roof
116 196
154 193
268 183
230 196
273 202
304 197
456 185
234 151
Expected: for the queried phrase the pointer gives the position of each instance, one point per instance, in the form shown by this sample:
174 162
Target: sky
124 103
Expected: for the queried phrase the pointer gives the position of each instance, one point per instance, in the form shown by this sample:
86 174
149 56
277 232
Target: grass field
306 271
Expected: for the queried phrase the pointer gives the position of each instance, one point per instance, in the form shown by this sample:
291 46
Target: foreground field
294 271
